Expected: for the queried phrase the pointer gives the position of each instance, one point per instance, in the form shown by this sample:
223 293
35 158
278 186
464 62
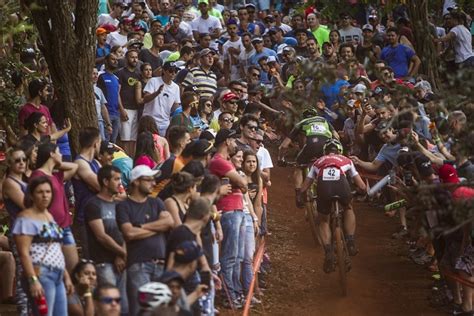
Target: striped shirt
205 82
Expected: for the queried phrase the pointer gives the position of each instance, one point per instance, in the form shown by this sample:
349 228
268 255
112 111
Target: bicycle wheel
340 251
311 211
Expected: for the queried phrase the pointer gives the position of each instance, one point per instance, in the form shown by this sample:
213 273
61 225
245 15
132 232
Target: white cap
142 171
281 47
351 103
359 88
271 59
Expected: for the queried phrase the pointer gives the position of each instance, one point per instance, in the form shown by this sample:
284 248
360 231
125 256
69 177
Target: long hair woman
84 279
145 152
38 239
202 115
148 124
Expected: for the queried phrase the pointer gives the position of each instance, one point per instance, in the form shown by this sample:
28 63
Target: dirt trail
383 281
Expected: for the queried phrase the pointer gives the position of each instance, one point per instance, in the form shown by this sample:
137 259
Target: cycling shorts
312 150
326 190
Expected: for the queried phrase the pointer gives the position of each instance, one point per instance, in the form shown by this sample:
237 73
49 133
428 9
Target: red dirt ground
383 281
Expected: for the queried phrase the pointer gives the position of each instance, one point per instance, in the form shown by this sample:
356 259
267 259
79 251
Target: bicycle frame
339 244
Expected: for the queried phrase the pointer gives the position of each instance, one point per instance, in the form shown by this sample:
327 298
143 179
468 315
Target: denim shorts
68 237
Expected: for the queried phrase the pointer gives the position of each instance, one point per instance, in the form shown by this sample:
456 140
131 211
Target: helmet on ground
332 143
154 294
310 112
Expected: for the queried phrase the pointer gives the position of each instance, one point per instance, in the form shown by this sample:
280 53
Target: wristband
33 279
255 220
87 294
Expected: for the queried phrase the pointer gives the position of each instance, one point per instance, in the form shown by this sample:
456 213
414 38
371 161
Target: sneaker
329 264
351 248
235 303
253 301
401 233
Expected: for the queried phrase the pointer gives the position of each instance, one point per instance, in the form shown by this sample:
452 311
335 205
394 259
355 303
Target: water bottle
395 205
42 305
379 185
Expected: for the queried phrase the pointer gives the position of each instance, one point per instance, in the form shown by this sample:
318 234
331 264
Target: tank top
160 148
11 207
82 192
181 213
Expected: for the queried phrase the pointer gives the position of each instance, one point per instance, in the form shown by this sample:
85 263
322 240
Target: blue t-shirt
389 153
331 92
398 58
109 84
164 19
265 53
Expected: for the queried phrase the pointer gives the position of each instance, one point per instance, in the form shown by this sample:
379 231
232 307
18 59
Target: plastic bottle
395 205
205 305
379 185
42 305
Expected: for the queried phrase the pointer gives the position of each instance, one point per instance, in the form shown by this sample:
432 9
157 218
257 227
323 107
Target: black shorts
312 150
326 190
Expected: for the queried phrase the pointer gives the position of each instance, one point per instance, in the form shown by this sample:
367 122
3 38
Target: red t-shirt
234 201
59 207
29 108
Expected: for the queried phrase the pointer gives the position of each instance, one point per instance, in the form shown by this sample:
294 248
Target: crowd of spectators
164 203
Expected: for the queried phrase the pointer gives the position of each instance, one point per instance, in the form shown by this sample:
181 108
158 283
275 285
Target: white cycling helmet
154 294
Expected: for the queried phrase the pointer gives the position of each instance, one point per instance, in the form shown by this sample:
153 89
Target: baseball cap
169 276
203 1
208 135
223 135
271 59
100 31
187 252
109 27
250 5
269 18
288 49
351 103
169 65
134 41
359 88
383 125
232 21
142 171
368 27
424 166
373 16
126 20
179 6
202 147
448 174
206 51
229 96
275 29
257 39
108 147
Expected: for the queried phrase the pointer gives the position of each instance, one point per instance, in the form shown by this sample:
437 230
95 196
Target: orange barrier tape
256 266
456 277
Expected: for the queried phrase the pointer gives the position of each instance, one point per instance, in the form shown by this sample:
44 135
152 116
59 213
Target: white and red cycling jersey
331 166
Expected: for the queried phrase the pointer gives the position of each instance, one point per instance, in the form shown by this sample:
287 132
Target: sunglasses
255 74
86 261
252 127
232 102
109 300
227 120
21 159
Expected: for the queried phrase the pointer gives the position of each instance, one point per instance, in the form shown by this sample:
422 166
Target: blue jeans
115 121
52 281
248 252
138 274
107 274
231 227
102 129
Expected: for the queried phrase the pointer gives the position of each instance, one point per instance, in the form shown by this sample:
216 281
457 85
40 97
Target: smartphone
205 278
225 181
253 186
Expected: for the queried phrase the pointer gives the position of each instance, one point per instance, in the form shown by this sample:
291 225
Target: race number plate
331 174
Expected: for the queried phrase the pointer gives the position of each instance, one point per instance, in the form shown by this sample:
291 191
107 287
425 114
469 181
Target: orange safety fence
456 277
256 266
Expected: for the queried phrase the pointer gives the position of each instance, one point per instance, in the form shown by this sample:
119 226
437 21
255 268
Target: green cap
203 1
173 57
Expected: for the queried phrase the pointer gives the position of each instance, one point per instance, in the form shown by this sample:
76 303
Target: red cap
100 31
448 174
108 27
229 96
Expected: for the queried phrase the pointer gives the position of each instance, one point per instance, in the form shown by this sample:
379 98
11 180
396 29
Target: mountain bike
339 242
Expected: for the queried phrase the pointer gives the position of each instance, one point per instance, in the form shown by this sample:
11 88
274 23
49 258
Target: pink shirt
59 207
29 108
145 160
233 201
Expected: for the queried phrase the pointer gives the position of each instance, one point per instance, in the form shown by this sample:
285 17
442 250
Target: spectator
101 107
143 222
84 279
202 77
320 32
146 153
147 124
349 34
120 37
184 187
107 300
112 18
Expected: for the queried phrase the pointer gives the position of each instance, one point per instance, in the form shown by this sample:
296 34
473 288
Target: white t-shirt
351 34
186 28
244 58
233 58
208 25
264 158
115 38
160 107
107 19
462 43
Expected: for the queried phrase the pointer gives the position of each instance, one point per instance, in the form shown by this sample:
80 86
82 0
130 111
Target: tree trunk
68 45
424 46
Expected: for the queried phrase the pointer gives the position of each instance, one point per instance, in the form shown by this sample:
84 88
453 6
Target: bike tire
310 211
341 255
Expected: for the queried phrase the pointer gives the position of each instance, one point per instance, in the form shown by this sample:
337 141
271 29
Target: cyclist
330 172
313 131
